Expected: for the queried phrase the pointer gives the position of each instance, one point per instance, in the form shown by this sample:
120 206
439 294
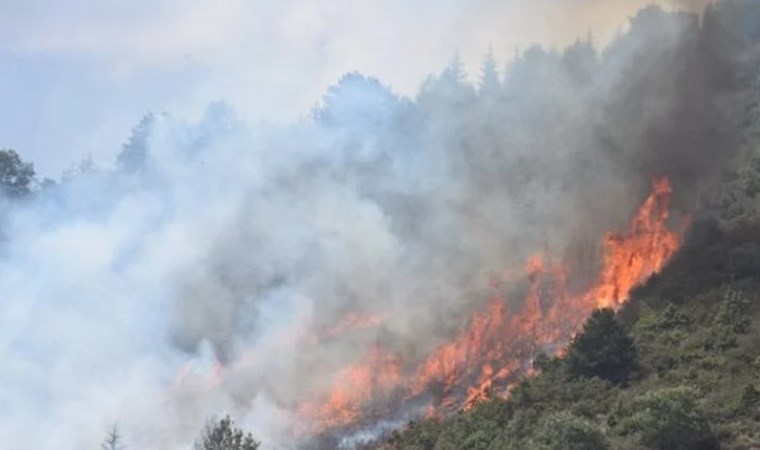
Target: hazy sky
77 75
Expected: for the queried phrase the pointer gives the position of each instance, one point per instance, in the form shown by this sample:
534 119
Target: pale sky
77 75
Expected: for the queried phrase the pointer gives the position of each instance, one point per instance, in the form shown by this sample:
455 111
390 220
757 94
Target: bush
224 435
16 176
669 419
564 431
603 349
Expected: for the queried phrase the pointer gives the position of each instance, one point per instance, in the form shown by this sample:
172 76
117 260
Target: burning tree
498 345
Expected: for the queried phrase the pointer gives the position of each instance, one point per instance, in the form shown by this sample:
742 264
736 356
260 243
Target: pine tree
113 440
224 435
602 349
489 77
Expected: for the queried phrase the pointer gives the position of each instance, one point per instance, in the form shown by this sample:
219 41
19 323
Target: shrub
565 431
224 435
603 349
669 419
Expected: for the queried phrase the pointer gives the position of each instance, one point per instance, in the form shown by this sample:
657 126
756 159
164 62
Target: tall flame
631 258
497 346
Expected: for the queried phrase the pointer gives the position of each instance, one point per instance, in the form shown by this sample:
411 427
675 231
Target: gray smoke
181 282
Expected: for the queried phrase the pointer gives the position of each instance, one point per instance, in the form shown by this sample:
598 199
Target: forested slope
678 367
333 262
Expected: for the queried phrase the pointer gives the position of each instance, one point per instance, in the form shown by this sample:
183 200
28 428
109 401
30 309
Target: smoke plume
192 276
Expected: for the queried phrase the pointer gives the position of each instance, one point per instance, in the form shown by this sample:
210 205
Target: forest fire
497 346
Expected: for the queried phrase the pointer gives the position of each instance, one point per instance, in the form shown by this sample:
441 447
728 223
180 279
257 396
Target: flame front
631 258
355 387
498 345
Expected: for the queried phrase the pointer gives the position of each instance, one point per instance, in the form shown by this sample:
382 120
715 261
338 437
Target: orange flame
497 346
355 386
632 258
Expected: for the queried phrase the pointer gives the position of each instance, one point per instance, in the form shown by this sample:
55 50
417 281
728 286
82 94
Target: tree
16 176
358 103
454 73
448 91
603 349
489 77
565 431
135 152
224 435
580 61
750 397
113 440
669 419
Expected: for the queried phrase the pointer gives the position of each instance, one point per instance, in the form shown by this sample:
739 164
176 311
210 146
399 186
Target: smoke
189 279
85 71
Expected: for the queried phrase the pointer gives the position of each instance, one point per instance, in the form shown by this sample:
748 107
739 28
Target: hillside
695 328
428 257
687 343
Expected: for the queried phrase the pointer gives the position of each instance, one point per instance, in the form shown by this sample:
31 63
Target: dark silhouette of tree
603 349
454 73
113 440
16 176
449 91
580 61
357 103
489 78
135 151
224 435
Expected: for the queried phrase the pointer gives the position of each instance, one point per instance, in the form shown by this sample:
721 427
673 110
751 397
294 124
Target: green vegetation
602 350
679 366
565 431
667 418
224 435
16 176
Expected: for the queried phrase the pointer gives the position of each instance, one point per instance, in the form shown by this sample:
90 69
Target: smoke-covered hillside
221 267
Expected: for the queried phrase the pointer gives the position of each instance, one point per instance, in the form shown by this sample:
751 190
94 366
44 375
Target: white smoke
177 283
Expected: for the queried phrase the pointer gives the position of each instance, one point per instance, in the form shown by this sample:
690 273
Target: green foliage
603 349
564 431
16 176
419 435
224 435
695 330
545 363
678 367
732 312
692 392
750 397
669 419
